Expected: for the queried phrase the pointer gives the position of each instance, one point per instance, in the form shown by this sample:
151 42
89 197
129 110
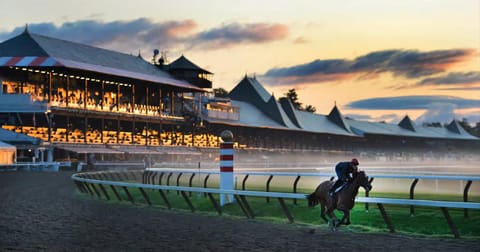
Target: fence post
465 197
412 193
226 166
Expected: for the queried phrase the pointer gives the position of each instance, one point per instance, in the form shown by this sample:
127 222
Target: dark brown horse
343 200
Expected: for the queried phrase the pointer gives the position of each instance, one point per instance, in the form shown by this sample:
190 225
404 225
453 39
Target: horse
343 200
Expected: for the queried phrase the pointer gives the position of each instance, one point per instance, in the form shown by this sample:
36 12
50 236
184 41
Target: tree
466 125
293 97
310 108
220 92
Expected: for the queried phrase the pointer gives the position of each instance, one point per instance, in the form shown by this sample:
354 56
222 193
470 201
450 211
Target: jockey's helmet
355 161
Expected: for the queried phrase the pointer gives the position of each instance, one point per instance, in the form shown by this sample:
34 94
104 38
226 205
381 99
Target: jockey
345 171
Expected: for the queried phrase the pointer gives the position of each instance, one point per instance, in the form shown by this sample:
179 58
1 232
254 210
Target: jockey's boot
332 190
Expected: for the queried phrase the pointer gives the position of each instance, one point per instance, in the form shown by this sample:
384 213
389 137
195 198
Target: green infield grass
425 220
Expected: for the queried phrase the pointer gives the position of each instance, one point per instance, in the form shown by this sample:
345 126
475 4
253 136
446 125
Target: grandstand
78 100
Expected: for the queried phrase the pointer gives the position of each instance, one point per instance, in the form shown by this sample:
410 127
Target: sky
375 60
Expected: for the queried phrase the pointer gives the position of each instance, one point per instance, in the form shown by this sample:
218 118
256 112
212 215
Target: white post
226 166
50 154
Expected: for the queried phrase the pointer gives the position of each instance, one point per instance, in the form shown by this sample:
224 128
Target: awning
89 148
5 146
181 152
15 138
136 149
34 61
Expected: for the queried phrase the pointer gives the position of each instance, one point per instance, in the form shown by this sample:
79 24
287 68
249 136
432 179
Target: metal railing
95 183
150 173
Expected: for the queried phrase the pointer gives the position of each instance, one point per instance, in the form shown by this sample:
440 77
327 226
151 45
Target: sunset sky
377 60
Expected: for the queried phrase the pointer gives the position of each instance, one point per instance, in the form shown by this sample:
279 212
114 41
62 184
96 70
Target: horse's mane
360 172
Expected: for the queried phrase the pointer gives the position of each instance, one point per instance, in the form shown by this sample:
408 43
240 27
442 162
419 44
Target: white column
226 166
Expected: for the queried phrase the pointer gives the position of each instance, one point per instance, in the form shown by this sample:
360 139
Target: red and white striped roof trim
29 61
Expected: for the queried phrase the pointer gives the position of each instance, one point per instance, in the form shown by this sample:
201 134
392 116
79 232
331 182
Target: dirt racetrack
43 212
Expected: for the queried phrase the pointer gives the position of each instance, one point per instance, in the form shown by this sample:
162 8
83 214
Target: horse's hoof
335 223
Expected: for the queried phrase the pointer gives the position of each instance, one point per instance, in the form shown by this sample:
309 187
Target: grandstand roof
260 109
28 49
412 130
183 63
250 116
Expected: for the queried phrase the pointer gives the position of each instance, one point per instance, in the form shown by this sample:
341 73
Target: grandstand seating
59 135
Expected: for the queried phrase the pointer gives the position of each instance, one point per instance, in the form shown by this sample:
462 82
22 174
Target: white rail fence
95 184
150 173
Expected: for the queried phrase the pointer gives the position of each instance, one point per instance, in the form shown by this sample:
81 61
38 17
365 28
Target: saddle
339 188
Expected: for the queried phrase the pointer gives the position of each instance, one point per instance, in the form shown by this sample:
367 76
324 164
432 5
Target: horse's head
362 180
312 200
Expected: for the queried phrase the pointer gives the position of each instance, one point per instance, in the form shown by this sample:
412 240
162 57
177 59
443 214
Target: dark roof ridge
406 123
336 117
289 110
184 63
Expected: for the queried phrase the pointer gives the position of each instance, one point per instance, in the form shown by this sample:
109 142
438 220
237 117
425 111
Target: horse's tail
312 199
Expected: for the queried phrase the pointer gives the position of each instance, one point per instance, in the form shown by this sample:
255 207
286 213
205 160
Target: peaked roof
290 111
247 87
455 127
183 63
406 123
336 117
28 49
251 91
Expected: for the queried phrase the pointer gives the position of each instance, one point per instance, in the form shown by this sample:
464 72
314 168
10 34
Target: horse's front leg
346 217
333 218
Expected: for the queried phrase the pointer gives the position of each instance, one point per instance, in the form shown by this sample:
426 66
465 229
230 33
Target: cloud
413 103
453 78
473 117
235 34
438 113
445 113
441 109
126 36
300 40
466 88
391 118
131 35
404 63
